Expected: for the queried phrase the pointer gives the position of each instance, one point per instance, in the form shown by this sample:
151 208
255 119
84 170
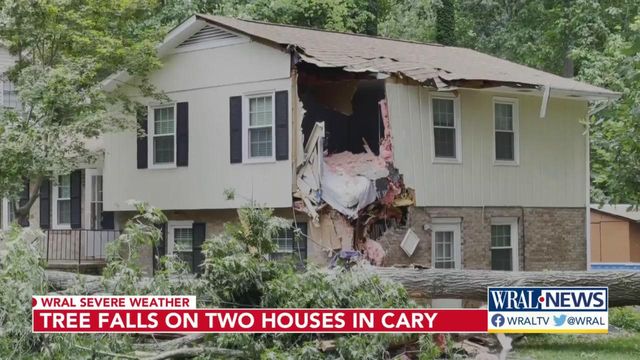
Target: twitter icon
559 320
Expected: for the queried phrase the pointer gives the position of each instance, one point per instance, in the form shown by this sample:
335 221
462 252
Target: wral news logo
548 310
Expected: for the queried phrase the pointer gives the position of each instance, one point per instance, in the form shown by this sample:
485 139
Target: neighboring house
412 153
69 209
615 237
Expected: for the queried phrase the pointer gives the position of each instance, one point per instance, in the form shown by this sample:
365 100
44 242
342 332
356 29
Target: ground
619 346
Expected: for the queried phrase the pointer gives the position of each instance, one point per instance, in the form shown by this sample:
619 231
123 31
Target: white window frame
88 194
457 124
516 130
171 226
4 221
151 134
2 84
513 222
246 158
447 224
54 209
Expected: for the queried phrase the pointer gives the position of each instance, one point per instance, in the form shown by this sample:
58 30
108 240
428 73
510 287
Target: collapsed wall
347 182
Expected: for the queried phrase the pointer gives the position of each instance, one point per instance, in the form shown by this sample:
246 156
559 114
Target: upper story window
163 136
446 129
62 204
259 128
9 95
505 113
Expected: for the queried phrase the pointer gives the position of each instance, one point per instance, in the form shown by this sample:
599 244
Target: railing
77 246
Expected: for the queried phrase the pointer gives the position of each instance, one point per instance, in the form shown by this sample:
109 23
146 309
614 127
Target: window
504 244
445 246
163 135
444 250
292 245
181 240
96 202
446 129
63 201
183 243
506 130
259 126
9 95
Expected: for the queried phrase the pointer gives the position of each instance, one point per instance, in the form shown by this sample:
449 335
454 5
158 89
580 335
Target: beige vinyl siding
206 79
552 166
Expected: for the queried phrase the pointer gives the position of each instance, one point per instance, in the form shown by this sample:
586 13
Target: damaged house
395 151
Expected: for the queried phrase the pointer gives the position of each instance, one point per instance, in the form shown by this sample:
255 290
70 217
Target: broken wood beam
624 286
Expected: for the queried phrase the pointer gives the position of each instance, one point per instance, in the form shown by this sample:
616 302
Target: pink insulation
364 164
374 252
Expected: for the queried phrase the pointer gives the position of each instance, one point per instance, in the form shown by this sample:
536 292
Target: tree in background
65 49
446 23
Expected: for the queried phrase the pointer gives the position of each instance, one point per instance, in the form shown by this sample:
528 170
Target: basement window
504 244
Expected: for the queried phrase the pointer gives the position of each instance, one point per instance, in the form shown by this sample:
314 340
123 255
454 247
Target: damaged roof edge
439 82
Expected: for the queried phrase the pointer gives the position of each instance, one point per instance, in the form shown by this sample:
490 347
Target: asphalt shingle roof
426 63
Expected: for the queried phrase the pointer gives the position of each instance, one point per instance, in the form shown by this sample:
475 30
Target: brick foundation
549 238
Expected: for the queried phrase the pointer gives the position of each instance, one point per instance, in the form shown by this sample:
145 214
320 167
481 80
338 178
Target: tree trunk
22 211
624 287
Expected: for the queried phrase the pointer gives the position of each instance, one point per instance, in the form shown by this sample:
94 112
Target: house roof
432 64
620 210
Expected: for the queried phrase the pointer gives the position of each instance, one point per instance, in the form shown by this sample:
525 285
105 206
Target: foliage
123 254
21 277
625 318
569 347
446 23
65 49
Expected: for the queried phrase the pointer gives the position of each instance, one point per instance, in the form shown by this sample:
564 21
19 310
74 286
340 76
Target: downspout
524 242
587 215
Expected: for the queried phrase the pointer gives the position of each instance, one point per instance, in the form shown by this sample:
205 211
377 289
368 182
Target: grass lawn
561 347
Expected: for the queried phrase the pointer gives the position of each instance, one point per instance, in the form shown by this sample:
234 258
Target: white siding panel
206 79
552 166
6 59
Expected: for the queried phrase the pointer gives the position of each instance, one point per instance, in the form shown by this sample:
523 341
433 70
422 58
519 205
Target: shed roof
622 210
432 64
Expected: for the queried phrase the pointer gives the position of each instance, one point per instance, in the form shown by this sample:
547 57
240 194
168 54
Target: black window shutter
45 204
24 198
107 222
160 249
235 126
75 182
282 125
182 132
142 149
199 233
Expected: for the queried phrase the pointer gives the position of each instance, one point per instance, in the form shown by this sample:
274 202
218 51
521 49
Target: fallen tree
624 287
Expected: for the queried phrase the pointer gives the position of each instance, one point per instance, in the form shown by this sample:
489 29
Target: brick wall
549 238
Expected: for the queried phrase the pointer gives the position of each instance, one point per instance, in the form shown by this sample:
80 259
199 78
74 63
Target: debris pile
347 180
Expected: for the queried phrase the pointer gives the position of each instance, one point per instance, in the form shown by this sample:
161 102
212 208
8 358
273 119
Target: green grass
561 347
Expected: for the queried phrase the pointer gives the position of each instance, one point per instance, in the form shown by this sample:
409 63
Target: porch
81 249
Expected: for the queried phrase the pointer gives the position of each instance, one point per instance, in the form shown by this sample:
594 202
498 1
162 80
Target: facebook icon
497 320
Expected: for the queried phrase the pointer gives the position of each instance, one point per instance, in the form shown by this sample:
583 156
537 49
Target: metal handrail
77 245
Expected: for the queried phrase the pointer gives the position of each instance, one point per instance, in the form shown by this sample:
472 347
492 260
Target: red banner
184 320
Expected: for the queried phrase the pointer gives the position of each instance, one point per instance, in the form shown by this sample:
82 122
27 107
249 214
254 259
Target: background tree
65 48
446 23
